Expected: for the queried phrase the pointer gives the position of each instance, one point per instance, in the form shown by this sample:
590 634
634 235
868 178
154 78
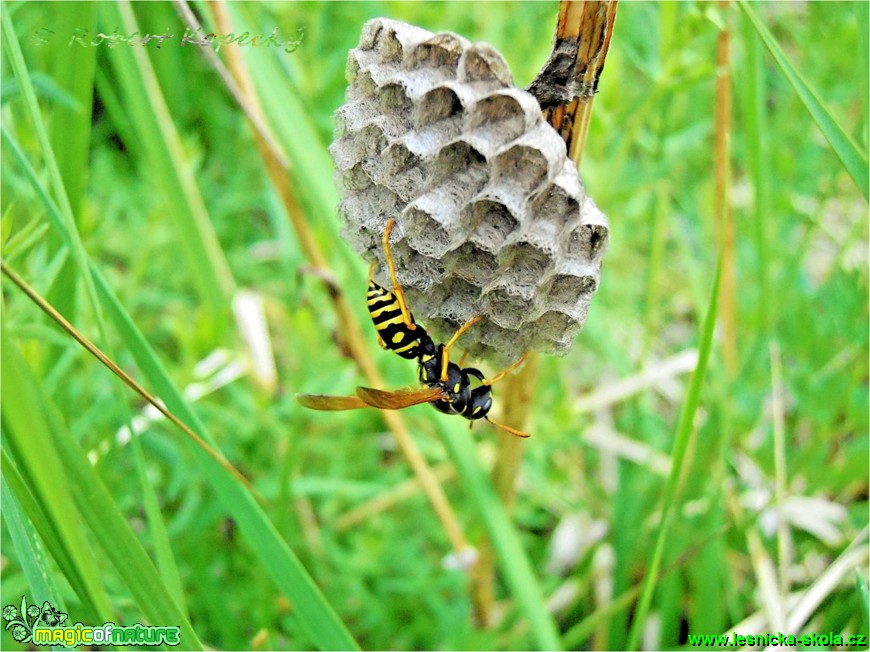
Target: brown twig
255 118
356 346
387 499
517 399
565 88
567 83
724 218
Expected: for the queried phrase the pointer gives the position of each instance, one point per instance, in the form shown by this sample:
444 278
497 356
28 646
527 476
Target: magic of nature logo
46 625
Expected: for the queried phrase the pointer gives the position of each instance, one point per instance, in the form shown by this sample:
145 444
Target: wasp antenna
462 360
513 431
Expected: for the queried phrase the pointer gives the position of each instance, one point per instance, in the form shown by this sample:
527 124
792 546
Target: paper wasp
449 388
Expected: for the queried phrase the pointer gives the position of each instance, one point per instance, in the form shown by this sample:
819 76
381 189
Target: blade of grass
846 150
783 538
79 258
294 130
512 558
864 595
862 56
755 121
31 555
55 455
684 433
44 526
516 395
291 122
28 440
71 126
161 145
579 633
157 528
827 582
314 612
316 615
70 140
114 368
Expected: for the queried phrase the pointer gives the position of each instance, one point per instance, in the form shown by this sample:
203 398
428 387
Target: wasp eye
491 216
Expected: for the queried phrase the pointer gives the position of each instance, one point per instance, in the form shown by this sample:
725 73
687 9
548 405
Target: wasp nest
492 218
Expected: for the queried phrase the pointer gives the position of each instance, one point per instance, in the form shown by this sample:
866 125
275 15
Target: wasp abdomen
386 314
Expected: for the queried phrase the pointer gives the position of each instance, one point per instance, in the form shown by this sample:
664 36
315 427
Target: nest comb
492 218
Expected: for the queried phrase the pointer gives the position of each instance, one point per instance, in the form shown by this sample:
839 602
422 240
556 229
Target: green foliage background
801 289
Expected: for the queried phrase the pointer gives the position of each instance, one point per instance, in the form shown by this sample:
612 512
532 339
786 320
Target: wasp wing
326 402
400 398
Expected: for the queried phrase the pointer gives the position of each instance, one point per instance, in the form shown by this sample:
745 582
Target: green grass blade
31 555
864 594
71 126
315 614
28 438
846 150
862 56
45 527
65 212
312 166
578 634
70 138
512 558
152 123
96 505
72 165
754 113
678 457
291 122
157 527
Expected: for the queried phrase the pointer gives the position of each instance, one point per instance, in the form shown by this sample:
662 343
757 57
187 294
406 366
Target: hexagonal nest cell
491 216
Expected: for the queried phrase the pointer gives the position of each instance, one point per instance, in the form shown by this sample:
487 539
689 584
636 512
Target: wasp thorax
492 218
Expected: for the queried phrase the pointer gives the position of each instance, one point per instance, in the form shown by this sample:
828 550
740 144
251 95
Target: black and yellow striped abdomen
386 315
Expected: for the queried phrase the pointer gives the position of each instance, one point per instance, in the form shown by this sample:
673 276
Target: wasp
448 387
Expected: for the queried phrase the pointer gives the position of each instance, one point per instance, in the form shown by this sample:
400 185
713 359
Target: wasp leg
381 342
461 362
397 289
508 429
445 353
505 372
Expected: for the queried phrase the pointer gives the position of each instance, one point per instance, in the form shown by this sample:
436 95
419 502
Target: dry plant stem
567 83
92 348
279 176
253 116
781 473
772 601
517 399
724 219
389 498
565 88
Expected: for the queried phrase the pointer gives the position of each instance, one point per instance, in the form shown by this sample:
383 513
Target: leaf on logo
51 616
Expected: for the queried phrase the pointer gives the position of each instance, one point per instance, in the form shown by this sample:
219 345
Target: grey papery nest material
492 218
